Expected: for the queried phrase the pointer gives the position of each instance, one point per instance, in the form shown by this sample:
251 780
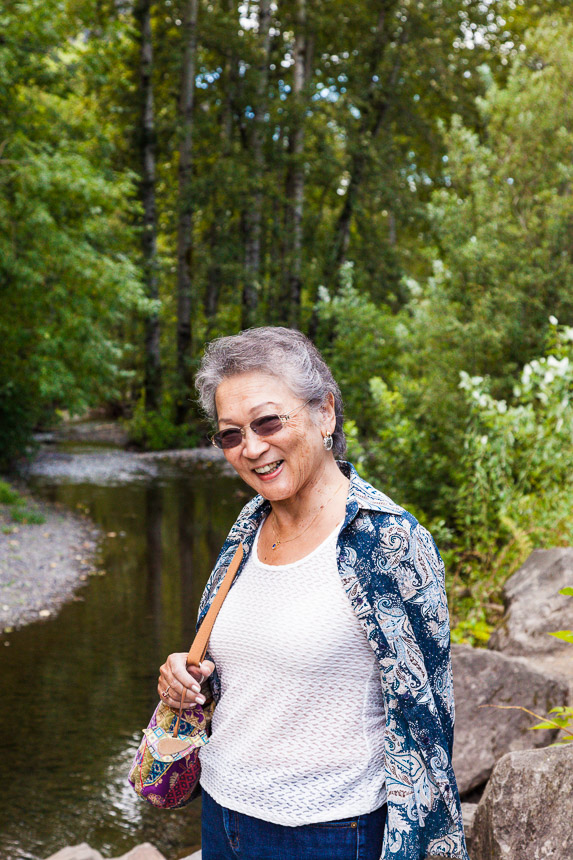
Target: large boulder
534 606
484 734
525 811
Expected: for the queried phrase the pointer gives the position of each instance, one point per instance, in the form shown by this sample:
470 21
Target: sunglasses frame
283 419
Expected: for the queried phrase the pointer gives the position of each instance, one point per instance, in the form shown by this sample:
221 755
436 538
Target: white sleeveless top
298 733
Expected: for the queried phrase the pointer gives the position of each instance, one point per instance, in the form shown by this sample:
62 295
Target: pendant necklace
278 541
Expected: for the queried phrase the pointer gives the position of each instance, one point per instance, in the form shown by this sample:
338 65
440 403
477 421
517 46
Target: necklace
278 541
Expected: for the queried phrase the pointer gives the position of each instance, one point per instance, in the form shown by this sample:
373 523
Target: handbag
166 767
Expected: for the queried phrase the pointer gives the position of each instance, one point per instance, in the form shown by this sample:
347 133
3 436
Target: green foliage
23 515
17 507
518 456
565 635
156 431
562 720
8 496
66 279
473 630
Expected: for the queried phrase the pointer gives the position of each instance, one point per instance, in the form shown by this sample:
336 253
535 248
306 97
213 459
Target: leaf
567 591
565 635
545 725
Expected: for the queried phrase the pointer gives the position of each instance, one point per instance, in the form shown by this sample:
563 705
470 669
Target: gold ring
166 691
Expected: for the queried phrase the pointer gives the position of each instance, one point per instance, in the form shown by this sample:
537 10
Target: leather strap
199 647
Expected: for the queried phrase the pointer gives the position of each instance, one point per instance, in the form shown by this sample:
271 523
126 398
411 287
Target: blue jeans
229 835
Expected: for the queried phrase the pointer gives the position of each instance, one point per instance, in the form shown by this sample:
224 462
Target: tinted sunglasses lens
267 425
228 439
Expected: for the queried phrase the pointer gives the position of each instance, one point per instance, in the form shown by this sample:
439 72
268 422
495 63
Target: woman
329 661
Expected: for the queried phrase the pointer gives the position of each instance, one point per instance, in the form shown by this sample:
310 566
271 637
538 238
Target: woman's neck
326 486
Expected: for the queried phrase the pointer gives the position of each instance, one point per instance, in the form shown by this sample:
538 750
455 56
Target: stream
78 688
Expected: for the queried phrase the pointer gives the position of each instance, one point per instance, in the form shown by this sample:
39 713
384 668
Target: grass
17 509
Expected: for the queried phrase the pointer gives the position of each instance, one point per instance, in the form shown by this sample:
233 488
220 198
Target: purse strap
199 647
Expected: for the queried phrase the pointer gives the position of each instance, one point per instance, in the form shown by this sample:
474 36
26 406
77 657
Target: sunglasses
267 425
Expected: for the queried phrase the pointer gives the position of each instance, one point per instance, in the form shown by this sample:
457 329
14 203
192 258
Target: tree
152 378
185 206
66 275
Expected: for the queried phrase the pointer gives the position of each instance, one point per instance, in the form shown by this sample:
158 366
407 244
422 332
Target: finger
173 700
195 673
207 667
176 672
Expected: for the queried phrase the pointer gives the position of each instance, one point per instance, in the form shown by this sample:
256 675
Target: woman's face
296 453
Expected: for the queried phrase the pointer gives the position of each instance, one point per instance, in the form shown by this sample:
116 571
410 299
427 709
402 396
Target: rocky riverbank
42 563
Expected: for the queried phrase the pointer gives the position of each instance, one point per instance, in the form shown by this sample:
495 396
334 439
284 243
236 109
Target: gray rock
468 815
145 851
525 811
534 606
484 734
77 852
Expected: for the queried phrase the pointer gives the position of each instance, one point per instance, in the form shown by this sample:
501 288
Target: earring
328 442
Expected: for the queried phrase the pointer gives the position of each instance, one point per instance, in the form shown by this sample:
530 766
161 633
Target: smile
269 468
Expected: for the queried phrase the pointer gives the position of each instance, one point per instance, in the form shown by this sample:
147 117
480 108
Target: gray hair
282 352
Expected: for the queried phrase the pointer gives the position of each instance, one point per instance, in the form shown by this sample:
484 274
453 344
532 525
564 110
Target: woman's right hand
176 679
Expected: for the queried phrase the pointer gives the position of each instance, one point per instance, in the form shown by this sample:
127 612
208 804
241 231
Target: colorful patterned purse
166 767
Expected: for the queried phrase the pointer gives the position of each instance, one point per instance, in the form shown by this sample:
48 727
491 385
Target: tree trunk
152 360
253 213
185 215
295 177
217 232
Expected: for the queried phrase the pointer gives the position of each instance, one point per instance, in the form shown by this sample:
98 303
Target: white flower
483 440
553 320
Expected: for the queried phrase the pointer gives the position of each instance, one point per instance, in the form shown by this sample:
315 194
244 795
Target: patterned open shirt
393 576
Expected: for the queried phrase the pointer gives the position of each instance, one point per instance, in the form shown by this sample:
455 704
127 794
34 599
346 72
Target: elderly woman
329 661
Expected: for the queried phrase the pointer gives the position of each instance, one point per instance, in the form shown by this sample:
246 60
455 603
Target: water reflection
79 688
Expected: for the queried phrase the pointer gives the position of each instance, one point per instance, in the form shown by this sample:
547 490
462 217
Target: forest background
394 177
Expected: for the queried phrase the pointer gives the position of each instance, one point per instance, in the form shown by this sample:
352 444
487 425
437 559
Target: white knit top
298 733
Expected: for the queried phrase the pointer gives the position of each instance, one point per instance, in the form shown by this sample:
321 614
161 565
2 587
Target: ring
166 691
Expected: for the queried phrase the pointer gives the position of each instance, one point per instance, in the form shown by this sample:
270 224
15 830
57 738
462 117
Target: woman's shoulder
392 523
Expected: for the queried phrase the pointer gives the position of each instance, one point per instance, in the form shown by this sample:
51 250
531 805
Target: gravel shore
41 565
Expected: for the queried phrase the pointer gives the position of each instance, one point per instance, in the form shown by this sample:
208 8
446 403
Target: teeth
263 470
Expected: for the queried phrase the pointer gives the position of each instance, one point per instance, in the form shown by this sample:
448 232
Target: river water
78 689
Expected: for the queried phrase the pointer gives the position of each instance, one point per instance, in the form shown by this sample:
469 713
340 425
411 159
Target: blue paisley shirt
392 572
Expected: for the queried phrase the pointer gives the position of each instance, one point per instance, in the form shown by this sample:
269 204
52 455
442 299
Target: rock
468 815
77 852
534 606
195 856
146 851
525 811
484 735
